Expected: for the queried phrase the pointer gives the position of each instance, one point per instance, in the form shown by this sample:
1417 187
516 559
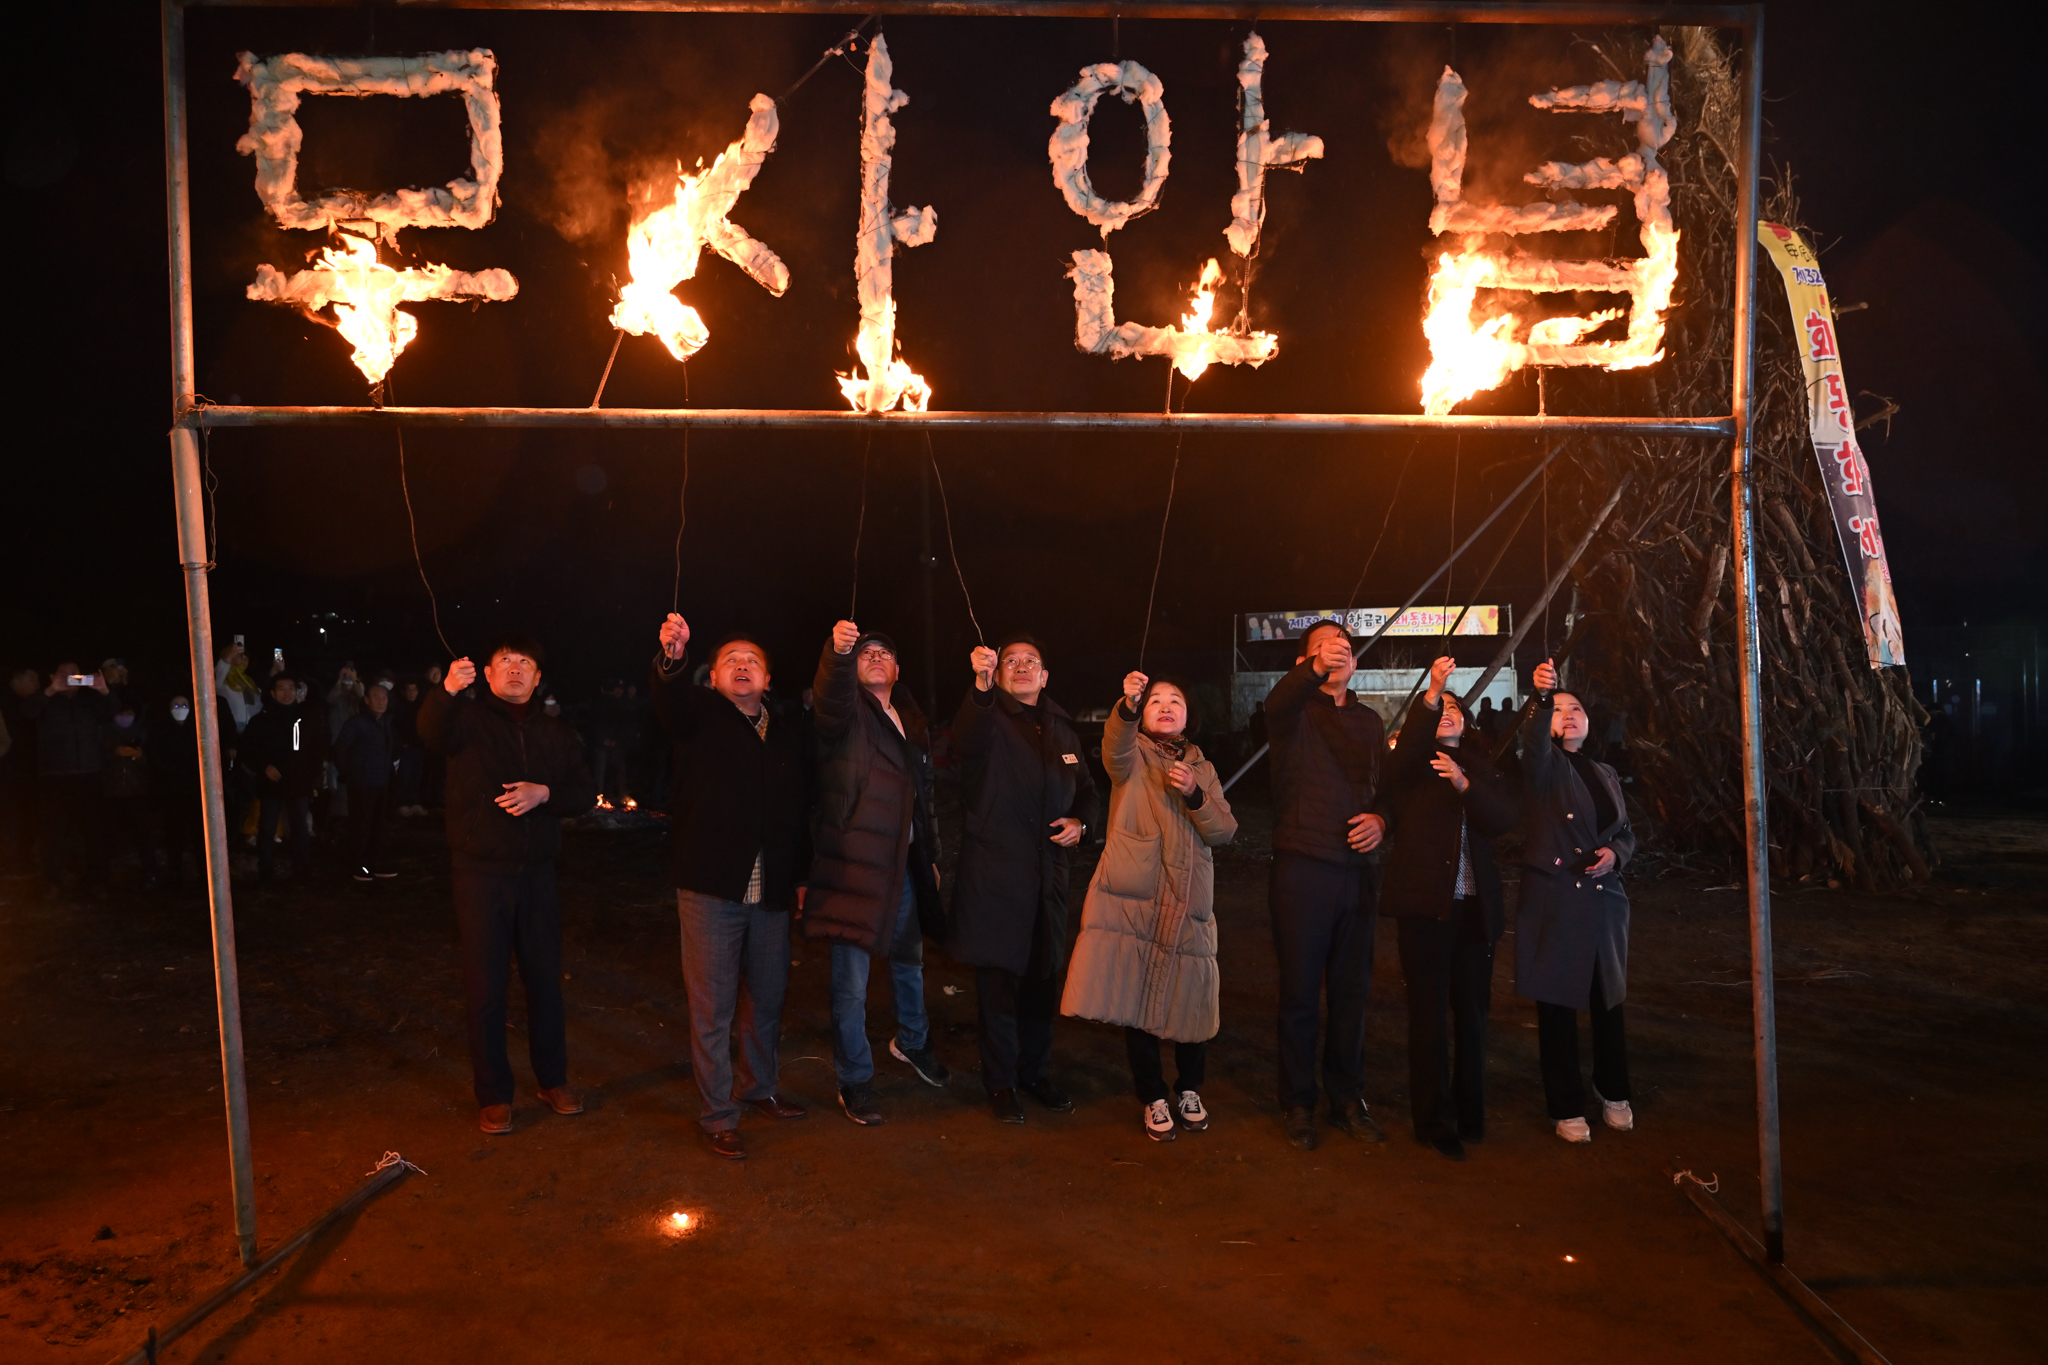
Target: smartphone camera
78 680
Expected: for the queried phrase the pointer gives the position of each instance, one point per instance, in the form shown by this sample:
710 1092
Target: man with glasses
874 887
1029 799
736 818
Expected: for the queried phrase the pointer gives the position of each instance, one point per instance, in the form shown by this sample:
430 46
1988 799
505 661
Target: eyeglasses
1021 663
877 652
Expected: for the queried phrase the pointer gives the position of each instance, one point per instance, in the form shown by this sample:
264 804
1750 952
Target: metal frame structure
188 417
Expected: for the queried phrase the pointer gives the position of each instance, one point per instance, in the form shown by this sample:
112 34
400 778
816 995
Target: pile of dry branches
1843 740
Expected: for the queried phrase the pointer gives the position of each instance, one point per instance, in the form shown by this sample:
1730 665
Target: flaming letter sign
363 292
1192 346
886 379
1466 359
662 248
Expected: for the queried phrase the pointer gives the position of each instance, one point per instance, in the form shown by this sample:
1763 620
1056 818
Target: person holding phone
513 776
1571 925
71 716
1146 957
1029 798
1449 804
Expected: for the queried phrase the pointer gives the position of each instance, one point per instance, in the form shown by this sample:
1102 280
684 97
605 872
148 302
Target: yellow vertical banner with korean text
1832 421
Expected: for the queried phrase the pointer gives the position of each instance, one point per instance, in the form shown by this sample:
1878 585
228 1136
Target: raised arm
973 727
835 692
1120 732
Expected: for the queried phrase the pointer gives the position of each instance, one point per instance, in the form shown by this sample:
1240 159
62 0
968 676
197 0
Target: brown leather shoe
561 1099
776 1107
727 1145
495 1119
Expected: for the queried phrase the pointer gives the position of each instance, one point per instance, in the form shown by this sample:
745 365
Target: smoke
608 152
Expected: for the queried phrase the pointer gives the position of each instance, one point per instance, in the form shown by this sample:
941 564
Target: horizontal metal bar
1721 16
828 419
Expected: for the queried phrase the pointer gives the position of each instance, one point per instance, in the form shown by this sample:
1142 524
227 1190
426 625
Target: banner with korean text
1363 621
1832 422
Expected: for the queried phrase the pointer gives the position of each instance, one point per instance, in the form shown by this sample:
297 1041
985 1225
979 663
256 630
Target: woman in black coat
1571 927
1449 804
1029 798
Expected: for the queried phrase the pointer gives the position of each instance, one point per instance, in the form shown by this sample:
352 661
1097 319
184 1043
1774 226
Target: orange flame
662 249
367 294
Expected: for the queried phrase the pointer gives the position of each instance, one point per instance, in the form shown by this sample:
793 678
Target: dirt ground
1912 1033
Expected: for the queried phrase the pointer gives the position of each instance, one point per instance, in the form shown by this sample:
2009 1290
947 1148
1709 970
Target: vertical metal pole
192 557
1743 515
927 565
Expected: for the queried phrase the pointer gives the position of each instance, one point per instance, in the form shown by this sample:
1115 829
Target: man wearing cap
513 775
737 820
874 889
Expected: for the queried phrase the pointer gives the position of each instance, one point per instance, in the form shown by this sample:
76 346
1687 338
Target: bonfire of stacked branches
1842 740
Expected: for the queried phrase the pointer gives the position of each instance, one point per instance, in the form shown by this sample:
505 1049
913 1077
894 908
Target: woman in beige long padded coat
1146 957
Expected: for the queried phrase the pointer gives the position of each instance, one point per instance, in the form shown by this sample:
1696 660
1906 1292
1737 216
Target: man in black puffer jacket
1327 748
874 879
737 814
513 774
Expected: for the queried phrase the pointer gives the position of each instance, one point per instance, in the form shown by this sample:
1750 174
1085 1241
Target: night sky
1899 132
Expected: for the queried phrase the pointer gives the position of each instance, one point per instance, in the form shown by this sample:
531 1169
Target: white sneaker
1159 1121
1574 1130
1618 1115
1193 1116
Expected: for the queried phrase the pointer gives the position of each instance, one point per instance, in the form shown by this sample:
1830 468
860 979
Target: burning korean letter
884 380
663 247
1192 347
1467 357
364 293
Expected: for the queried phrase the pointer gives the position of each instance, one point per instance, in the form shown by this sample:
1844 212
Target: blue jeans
852 1058
735 963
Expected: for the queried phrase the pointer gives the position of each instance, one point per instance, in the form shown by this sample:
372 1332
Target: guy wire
946 510
1384 522
1172 479
433 604
860 525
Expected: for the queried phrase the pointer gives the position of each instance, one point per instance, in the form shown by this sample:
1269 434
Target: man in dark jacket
282 754
18 773
736 816
1327 748
366 751
513 775
1029 798
1449 804
874 877
71 720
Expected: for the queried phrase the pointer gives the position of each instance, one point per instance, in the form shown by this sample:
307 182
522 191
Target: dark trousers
73 829
1190 1060
184 829
128 832
1016 1026
1557 1040
1448 965
369 817
299 810
405 790
504 915
736 969
1324 916
17 817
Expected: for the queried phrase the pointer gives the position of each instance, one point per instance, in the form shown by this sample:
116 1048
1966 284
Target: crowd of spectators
99 770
